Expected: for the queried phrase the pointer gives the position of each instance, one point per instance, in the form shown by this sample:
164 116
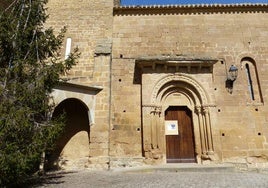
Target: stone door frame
153 116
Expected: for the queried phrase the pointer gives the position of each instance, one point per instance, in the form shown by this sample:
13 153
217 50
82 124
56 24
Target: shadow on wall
77 122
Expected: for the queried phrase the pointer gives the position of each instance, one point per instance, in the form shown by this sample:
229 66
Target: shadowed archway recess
73 144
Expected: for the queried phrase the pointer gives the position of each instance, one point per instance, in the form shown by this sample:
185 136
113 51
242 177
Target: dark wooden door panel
180 148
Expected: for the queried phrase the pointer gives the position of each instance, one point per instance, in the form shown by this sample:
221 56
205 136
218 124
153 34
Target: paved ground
155 179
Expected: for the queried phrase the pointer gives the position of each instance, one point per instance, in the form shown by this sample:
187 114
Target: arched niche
251 80
72 148
86 95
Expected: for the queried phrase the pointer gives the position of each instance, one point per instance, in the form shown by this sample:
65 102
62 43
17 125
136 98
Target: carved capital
198 110
155 109
205 110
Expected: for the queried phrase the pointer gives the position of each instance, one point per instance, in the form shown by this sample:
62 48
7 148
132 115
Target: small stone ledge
123 162
98 163
250 163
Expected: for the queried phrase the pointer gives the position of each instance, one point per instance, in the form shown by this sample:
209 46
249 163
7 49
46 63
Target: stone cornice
78 88
175 62
179 58
190 9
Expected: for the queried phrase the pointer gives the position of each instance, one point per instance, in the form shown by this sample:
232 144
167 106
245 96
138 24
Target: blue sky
163 2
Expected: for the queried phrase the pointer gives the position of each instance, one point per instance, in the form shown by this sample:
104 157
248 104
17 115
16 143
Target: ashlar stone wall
89 26
175 42
239 124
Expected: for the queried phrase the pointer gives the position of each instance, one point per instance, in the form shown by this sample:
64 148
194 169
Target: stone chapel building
162 84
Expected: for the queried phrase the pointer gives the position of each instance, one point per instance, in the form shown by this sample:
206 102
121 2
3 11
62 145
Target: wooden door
180 148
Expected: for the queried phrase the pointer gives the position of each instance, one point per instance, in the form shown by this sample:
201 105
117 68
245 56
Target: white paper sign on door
171 127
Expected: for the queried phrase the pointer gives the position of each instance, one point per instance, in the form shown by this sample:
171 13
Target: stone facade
136 62
89 26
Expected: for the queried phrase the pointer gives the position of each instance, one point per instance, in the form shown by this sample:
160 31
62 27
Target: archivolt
182 82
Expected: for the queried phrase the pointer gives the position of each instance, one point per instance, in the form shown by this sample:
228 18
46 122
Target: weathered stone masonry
136 62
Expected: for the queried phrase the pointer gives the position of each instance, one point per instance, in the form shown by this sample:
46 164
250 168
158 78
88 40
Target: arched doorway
185 96
72 148
180 145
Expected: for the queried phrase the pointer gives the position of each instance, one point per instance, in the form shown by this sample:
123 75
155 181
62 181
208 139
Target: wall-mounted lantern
231 77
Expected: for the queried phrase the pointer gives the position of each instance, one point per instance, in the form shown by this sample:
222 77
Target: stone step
184 167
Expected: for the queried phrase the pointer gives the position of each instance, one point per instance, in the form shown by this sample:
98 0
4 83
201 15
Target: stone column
158 126
155 126
208 130
202 130
153 130
146 123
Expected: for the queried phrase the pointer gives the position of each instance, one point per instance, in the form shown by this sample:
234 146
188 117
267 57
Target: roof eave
192 8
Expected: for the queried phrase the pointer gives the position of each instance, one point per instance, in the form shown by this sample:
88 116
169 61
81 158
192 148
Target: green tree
30 66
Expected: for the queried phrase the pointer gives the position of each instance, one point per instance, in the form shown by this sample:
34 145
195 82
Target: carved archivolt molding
181 88
191 88
184 78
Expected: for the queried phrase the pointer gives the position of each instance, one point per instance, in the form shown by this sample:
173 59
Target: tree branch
29 12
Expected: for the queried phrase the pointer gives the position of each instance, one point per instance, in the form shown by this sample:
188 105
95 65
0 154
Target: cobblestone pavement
110 179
